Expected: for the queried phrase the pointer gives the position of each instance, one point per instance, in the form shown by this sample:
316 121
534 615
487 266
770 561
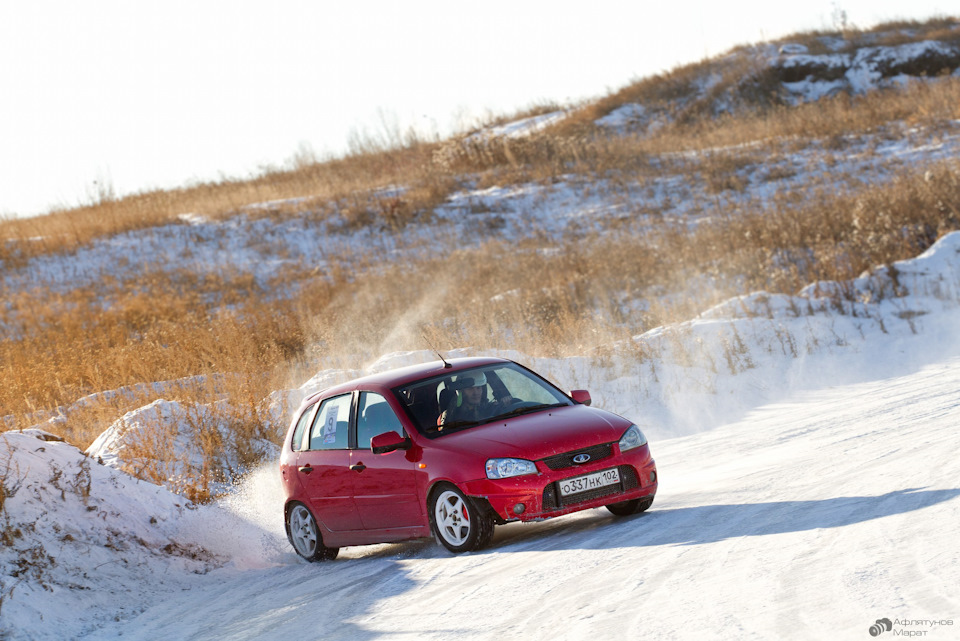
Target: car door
323 466
385 484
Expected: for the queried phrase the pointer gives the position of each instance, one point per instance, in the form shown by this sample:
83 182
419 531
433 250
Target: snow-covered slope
83 543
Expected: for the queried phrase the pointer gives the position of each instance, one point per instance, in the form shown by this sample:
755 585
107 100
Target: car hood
540 434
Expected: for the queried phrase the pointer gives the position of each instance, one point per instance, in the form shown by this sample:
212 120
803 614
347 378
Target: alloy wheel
452 518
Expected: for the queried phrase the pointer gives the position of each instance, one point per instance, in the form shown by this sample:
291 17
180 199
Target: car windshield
462 400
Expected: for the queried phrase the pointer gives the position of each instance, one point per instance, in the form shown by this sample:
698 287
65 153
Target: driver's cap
477 379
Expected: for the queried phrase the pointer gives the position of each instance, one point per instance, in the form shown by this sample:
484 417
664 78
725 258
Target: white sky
149 94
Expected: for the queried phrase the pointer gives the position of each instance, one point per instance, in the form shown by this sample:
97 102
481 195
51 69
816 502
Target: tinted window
331 427
443 404
375 417
297 442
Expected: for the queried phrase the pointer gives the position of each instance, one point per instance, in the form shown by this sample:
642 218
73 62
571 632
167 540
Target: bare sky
133 96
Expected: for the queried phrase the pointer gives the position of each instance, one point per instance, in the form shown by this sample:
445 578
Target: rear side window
330 428
297 443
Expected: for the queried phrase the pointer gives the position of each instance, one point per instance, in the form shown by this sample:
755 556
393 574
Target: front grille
553 501
565 460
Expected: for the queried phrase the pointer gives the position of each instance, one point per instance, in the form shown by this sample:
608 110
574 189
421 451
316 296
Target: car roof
403 375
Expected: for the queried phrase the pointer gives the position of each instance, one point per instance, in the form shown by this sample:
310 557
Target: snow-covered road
807 519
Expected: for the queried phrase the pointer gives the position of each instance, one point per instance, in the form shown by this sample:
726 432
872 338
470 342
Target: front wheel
305 535
457 523
626 508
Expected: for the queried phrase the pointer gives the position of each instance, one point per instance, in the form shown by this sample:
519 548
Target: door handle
358 467
305 469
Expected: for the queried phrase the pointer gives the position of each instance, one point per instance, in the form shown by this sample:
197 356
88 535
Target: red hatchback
453 448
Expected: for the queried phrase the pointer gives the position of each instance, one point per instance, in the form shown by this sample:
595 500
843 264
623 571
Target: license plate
589 482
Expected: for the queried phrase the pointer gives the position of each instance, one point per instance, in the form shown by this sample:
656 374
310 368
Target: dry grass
97 339
576 147
229 337
286 191
945 28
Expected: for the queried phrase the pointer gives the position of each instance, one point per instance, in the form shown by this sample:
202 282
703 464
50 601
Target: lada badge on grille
580 459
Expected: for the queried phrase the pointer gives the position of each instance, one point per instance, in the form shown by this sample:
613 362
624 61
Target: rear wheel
457 522
305 535
635 506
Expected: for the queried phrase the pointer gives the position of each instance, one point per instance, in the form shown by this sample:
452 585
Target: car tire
305 536
627 508
458 523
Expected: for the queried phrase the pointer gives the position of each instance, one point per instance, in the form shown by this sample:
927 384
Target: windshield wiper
528 408
457 425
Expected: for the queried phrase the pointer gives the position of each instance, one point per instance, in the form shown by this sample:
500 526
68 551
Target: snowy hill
79 538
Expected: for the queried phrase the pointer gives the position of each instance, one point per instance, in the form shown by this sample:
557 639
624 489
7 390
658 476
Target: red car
453 448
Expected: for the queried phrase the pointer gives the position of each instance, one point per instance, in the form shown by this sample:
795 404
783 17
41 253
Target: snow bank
82 543
78 537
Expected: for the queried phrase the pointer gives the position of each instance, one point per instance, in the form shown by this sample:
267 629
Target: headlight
632 438
501 468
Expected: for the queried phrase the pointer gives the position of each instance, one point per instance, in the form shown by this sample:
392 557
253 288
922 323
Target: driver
470 403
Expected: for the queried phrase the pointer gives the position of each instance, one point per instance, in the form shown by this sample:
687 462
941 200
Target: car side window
297 443
374 417
330 428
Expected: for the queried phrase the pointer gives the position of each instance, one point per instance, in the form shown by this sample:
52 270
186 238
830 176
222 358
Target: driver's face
472 395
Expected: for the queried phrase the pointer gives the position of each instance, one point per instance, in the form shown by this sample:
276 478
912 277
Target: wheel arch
322 528
480 502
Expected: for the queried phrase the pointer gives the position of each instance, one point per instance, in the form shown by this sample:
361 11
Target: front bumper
537 497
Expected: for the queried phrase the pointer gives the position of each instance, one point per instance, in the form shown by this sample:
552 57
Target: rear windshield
462 400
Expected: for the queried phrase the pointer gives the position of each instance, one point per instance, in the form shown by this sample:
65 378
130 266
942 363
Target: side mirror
581 396
388 442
